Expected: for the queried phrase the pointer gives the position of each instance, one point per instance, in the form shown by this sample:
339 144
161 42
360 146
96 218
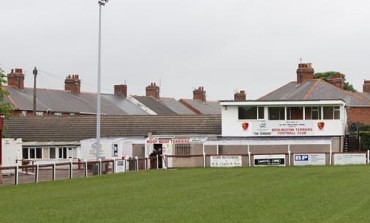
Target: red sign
321 125
245 125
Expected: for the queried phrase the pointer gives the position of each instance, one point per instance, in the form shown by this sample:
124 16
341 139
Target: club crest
321 125
245 125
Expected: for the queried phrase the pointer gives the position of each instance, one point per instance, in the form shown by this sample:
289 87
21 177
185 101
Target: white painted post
368 156
330 154
217 150
100 167
249 158
289 154
204 156
85 167
146 163
165 161
37 173
204 159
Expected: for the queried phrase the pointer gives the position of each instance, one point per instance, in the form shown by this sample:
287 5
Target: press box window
313 113
294 113
250 112
331 112
276 113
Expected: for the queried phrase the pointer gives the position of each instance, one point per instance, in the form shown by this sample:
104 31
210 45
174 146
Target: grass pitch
276 194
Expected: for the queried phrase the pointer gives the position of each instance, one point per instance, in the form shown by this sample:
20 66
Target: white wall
125 148
232 126
11 151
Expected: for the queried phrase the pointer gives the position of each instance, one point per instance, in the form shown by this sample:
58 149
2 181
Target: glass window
32 153
336 112
328 112
331 112
38 153
52 153
294 113
250 112
63 153
313 113
247 112
25 153
276 113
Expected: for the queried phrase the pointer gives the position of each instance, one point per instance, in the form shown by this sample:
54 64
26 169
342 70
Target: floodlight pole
98 96
1 146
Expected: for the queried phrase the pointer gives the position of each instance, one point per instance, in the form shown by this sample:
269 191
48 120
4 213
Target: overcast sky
223 45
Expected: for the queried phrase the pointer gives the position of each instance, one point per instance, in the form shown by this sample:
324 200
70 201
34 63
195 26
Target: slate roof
316 89
200 107
59 101
176 106
155 105
75 128
124 104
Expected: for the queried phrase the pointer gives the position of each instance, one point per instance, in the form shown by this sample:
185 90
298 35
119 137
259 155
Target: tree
326 76
5 107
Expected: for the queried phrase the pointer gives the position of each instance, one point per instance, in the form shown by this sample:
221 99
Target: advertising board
226 161
120 166
349 158
269 160
309 159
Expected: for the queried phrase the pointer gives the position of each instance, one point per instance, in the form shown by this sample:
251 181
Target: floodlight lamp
103 2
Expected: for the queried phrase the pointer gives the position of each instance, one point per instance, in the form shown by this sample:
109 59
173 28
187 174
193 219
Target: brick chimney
240 96
120 90
72 84
16 78
304 72
152 90
366 86
199 94
337 80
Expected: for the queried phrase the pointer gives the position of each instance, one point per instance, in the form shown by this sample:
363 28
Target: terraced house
304 116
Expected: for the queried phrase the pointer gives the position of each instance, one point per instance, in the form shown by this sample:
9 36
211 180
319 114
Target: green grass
276 194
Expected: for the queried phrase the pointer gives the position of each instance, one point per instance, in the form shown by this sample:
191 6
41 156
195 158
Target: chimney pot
366 86
337 80
72 83
240 96
120 90
304 72
16 78
199 94
152 91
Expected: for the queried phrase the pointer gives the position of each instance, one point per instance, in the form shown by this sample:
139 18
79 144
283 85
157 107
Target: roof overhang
285 103
271 141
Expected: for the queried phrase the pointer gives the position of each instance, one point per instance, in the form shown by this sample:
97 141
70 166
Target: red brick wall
152 90
366 86
304 72
199 94
72 84
359 114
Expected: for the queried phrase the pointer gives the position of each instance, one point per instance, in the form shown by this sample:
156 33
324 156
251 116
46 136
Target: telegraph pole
34 90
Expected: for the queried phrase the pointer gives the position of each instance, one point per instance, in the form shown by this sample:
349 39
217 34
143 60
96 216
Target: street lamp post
98 106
